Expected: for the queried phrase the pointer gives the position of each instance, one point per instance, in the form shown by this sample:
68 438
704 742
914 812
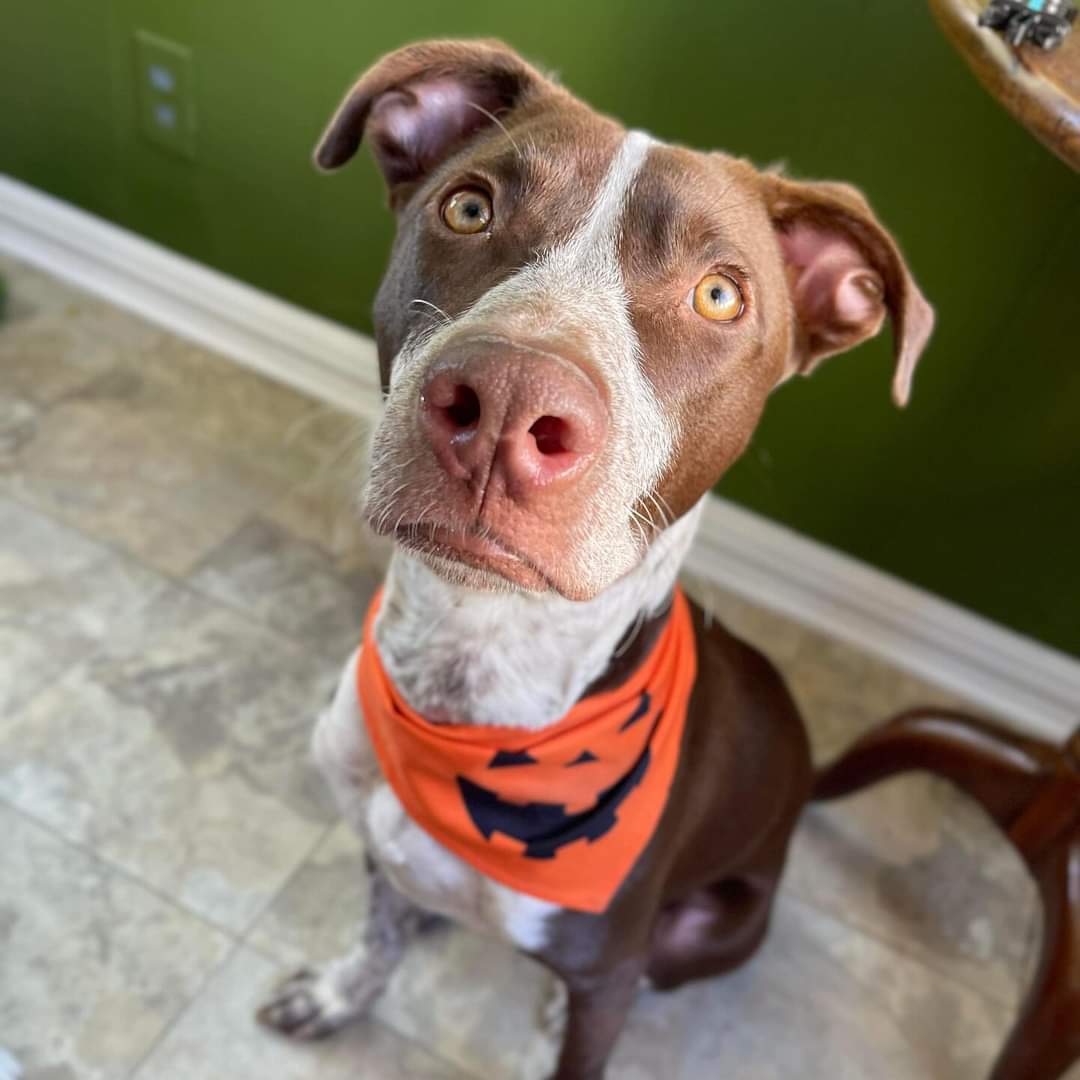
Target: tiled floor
180 579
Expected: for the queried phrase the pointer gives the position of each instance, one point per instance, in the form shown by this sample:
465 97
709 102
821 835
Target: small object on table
1042 22
1039 86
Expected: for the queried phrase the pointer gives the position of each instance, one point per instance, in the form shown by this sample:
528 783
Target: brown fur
818 273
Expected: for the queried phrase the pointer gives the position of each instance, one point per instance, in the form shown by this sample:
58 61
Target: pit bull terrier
578 330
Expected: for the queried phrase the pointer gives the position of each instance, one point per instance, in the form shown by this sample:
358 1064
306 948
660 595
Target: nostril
463 411
551 435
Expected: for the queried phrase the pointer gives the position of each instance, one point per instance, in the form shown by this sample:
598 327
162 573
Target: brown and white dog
578 331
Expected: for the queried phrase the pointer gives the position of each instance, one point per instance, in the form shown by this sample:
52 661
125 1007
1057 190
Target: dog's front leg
314 1004
597 1007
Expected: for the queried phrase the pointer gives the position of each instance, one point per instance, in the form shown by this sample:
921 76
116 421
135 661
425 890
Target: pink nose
532 419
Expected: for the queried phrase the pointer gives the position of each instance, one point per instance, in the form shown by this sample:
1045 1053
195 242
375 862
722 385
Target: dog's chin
467 576
475 560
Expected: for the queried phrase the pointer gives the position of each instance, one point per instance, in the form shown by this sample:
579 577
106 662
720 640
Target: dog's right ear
419 104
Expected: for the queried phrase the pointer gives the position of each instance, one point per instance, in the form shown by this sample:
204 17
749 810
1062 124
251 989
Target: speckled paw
308 1005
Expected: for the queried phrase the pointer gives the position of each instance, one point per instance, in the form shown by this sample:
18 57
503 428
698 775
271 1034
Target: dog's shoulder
744 726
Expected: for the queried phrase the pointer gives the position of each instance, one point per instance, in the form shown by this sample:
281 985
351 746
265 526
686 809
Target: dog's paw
309 1005
10 1069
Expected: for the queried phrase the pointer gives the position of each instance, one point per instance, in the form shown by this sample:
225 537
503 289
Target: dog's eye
717 297
467 211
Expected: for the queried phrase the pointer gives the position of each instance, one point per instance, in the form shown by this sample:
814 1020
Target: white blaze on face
574 292
578 289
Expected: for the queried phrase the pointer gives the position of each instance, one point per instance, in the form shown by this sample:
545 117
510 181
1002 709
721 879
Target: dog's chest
418 866
437 880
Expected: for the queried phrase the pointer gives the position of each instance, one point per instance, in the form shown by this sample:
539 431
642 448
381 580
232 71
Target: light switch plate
165 93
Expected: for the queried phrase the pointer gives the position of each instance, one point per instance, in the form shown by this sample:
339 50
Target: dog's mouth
476 549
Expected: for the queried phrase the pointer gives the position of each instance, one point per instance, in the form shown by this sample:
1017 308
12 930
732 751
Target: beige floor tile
58 343
142 487
218 402
36 294
179 752
60 596
843 691
218 1038
55 340
30 289
92 966
320 913
291 585
324 511
916 864
819 1002
476 1001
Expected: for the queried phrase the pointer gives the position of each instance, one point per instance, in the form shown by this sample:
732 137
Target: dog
578 330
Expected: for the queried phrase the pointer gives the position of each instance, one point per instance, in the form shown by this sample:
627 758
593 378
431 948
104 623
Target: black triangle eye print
505 758
642 709
582 759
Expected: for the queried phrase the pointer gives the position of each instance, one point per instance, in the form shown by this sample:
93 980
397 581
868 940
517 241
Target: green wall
971 493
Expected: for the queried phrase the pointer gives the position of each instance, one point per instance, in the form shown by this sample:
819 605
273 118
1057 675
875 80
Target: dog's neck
513 659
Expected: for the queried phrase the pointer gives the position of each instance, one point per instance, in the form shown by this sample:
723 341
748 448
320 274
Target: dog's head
580 325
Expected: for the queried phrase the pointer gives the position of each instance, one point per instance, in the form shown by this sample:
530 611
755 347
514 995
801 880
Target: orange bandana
562 813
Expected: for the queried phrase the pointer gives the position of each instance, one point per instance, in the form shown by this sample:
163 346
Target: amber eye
467 211
718 297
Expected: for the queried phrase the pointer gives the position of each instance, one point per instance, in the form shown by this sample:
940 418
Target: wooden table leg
1032 790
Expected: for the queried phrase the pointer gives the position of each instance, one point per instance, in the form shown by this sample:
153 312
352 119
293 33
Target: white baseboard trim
310 353
1034 687
1020 680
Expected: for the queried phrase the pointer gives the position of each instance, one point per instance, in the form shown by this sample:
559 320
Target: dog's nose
534 419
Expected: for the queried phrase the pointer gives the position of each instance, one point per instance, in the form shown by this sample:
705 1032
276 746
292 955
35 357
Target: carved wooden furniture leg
1032 790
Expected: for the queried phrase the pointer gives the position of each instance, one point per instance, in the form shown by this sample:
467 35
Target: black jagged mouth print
545 827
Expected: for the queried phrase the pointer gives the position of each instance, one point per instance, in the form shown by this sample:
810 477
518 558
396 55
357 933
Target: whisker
631 636
502 127
434 307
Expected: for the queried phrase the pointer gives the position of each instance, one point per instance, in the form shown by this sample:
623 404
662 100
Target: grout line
129 876
184 1010
168 579
301 864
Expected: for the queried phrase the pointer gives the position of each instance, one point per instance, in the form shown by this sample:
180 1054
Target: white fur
576 288
512 659
418 867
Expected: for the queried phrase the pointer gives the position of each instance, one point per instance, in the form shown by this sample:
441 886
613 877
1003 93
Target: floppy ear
419 104
845 274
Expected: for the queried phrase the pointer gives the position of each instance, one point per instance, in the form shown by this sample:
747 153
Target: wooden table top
1041 89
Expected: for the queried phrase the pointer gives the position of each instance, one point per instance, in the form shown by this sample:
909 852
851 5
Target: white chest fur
419 867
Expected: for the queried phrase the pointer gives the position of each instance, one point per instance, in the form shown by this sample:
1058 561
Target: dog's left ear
418 105
845 273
